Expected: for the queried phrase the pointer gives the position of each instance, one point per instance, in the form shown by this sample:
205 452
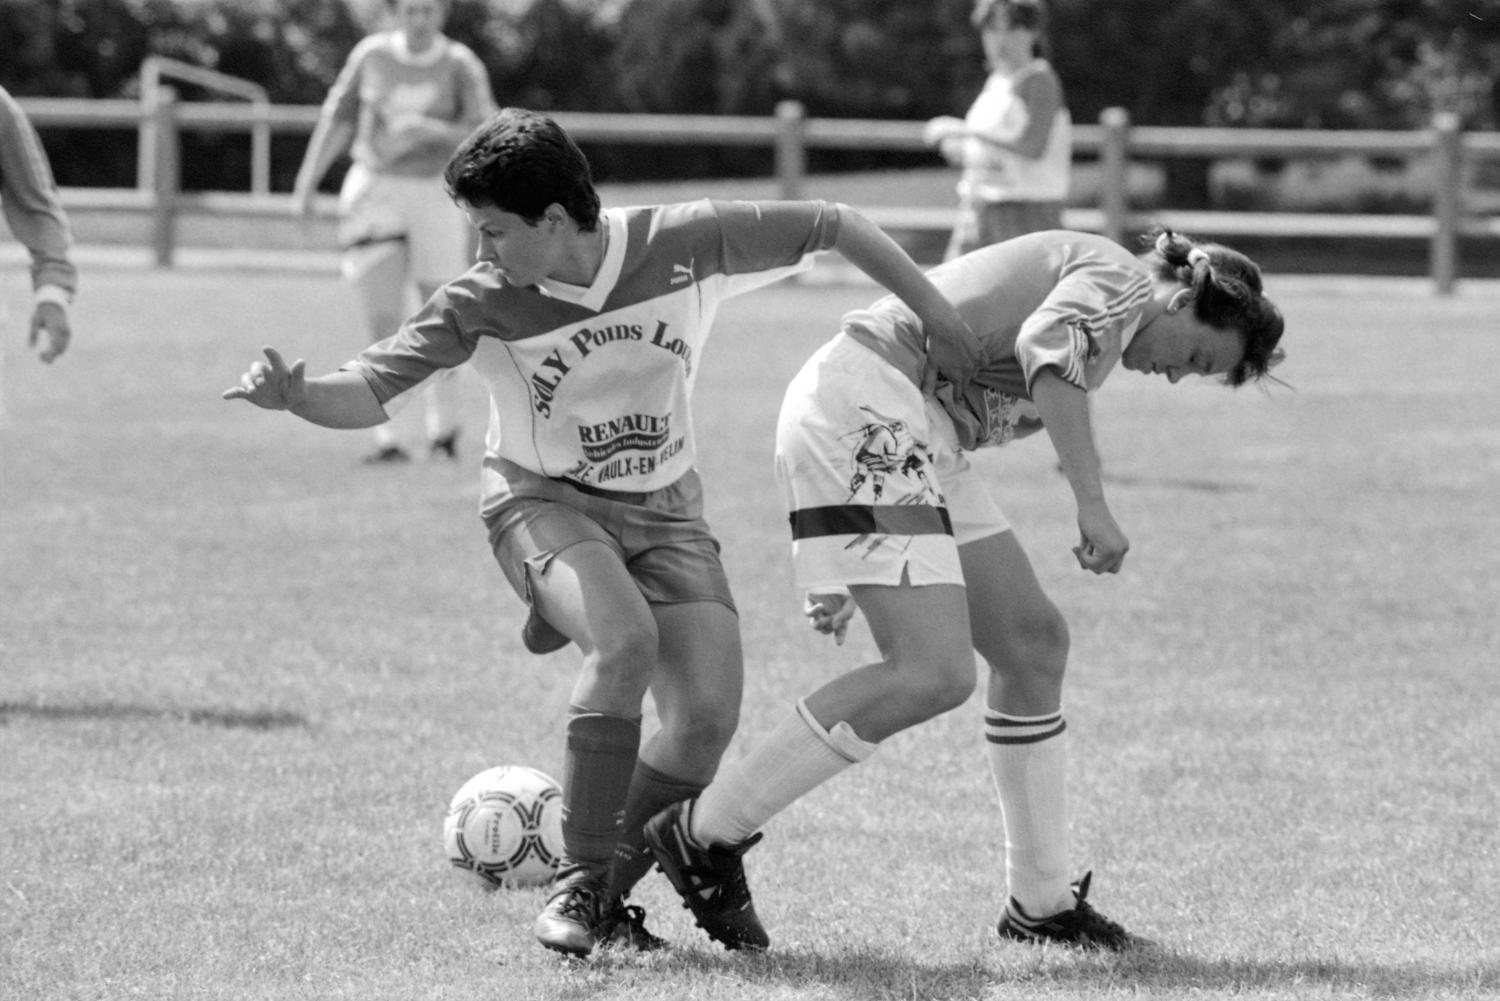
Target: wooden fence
160 120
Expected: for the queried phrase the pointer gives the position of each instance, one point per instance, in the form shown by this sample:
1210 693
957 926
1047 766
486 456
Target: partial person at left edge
34 212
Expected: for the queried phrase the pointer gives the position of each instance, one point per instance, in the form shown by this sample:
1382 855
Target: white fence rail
790 134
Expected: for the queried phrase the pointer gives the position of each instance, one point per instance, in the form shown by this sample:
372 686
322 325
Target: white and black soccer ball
505 826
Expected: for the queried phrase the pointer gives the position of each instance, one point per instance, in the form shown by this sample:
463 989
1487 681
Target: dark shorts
660 536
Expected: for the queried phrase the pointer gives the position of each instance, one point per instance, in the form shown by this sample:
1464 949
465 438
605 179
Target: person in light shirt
403 101
889 515
1014 147
34 212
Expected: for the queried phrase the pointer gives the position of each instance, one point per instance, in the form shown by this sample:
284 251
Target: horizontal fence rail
790 134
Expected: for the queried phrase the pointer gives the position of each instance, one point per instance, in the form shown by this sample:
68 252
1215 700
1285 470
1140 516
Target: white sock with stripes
796 757
1028 760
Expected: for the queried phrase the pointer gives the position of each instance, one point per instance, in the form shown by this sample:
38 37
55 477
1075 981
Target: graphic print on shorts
884 448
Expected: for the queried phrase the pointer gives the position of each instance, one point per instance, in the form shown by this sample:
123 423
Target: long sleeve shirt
29 198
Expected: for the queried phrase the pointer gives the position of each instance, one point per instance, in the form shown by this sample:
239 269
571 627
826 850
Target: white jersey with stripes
1058 299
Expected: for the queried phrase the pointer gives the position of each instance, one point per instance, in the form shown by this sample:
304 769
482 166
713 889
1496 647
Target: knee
944 683
625 653
1034 648
704 729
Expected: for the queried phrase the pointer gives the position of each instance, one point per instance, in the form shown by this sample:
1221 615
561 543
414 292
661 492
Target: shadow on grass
870 974
236 719
1178 483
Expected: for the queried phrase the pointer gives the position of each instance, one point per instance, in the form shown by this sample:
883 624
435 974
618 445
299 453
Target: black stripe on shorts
867 519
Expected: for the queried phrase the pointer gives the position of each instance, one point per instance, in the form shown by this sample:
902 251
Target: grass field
240 676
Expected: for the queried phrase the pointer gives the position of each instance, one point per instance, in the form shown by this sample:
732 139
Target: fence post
1447 198
791 148
167 176
260 149
1114 174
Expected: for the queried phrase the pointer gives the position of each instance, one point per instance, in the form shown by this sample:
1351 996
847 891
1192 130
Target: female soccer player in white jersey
885 504
588 327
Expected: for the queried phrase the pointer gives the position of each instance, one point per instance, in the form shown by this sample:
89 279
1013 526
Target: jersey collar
594 296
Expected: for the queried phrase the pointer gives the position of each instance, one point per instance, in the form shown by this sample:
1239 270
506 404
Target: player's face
421 19
523 253
1176 344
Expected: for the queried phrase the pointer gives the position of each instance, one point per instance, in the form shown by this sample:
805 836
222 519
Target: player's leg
847 412
572 572
1023 637
375 263
439 241
377 275
696 691
926 668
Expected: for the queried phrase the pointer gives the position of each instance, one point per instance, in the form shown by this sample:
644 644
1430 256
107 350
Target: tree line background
1388 64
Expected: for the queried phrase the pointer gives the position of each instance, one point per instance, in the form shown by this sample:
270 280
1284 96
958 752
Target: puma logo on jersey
682 273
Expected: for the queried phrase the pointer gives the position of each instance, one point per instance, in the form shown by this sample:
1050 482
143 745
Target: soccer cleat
572 913
711 881
1082 926
540 637
624 927
386 454
445 446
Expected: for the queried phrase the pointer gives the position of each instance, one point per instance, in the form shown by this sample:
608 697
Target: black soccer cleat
567 924
711 881
1082 926
623 926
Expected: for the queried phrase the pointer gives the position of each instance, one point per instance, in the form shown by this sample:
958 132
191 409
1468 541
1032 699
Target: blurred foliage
1333 64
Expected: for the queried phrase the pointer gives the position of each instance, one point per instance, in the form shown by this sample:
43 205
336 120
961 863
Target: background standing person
1015 145
403 102
918 540
588 326
33 209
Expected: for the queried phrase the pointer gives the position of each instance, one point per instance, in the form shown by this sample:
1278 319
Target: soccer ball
505 826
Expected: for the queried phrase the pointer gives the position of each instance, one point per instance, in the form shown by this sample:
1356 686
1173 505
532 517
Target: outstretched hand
271 384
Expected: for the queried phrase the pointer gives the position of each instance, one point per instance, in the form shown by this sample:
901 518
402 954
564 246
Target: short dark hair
521 162
1027 14
1227 293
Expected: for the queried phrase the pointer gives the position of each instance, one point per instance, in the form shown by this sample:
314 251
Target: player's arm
330 139
952 348
1064 410
338 400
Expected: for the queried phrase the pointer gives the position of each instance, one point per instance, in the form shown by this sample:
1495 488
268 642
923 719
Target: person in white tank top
1014 146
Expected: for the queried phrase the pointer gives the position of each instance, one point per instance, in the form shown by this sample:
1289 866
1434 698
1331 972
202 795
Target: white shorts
382 214
872 477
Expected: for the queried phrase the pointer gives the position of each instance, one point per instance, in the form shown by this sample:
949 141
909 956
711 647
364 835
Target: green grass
240 676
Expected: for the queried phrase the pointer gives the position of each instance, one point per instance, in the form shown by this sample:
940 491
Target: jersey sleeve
432 339
30 201
1081 318
342 102
763 242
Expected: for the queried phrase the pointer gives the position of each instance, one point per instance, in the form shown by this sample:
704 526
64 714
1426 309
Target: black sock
597 766
651 792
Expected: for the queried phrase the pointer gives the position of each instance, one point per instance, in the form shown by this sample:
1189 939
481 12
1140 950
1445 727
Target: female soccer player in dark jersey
587 327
